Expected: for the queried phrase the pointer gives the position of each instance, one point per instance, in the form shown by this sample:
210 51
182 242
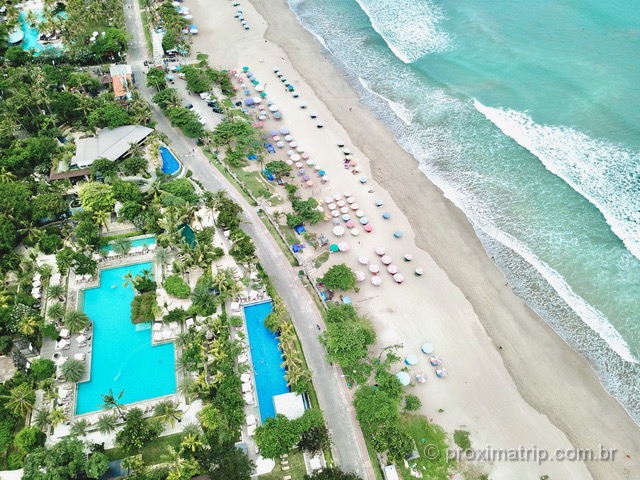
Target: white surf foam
605 174
402 112
409 28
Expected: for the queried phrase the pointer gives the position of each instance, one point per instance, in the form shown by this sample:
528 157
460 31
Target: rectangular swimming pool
266 357
136 242
121 353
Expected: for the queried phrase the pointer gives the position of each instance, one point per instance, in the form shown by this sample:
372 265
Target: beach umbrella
248 102
435 361
293 144
347 194
276 69
305 178
421 378
358 168
419 272
341 203
257 99
363 260
343 246
380 251
360 276
333 247
325 178
274 134
276 138
337 197
368 228
288 138
295 157
328 199
373 268
290 152
319 208
261 107
386 259
320 125
300 149
346 217
305 156
344 210
309 183
355 232
332 206
351 224
346 151
348 157
411 360
335 213
255 82
336 221
351 200
427 348
379 203
359 213
274 108
386 215
441 372
280 144
284 131
363 179
298 164
392 269
397 234
364 220
263 94
245 69
259 88
404 378
377 281
355 207
338 231
408 257
398 277
301 171
277 115
340 143
321 173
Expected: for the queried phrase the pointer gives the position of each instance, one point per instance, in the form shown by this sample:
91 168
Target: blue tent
346 300
268 175
253 156
300 229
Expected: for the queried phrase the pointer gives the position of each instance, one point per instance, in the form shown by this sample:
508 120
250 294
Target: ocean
527 116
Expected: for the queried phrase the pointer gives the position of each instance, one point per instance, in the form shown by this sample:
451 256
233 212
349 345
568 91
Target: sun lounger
286 477
284 462
285 468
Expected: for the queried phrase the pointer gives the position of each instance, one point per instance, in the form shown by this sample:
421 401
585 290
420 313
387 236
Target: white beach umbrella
377 281
392 269
355 232
360 276
338 231
373 268
380 251
343 246
363 259
386 259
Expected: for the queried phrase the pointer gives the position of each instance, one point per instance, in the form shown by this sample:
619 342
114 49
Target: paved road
348 450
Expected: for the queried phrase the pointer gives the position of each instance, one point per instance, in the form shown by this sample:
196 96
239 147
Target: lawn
297 470
152 453
320 259
431 441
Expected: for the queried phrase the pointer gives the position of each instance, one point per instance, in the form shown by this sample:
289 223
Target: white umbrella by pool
360 276
338 231
355 232
380 251
343 247
344 210
376 280
386 259
398 277
363 260
81 339
373 268
392 269
359 213
246 387
335 213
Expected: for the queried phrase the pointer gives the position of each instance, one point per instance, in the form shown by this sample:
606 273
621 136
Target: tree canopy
97 197
339 277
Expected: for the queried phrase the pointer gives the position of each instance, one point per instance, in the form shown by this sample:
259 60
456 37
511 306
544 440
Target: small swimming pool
266 357
31 39
188 235
122 357
170 164
136 242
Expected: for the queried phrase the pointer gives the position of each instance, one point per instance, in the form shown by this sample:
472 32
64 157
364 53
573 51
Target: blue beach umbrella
248 101
322 173
386 215
397 234
364 220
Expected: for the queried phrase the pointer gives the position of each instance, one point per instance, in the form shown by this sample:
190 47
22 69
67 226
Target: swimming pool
136 242
121 353
31 39
188 235
170 163
266 357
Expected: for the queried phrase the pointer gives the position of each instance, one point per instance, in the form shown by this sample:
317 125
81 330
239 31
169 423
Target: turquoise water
31 35
525 115
266 357
188 235
170 163
122 355
138 242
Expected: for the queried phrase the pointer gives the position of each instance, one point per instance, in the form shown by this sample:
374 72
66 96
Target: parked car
216 109
189 106
269 148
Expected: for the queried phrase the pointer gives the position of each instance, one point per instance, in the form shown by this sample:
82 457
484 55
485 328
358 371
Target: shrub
461 438
412 403
176 286
143 307
42 368
29 438
339 277
5 344
175 315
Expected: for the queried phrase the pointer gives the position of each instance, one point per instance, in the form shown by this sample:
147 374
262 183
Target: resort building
121 80
112 144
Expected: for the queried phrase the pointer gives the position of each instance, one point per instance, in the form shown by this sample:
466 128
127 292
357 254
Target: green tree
167 412
412 403
332 473
42 369
156 78
109 115
110 401
97 197
73 370
392 439
111 43
79 428
76 320
347 343
137 431
176 286
276 436
29 438
63 460
339 277
106 423
278 168
375 407
315 439
20 399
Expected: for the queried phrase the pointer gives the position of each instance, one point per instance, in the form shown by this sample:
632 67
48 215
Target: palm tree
109 401
210 417
79 428
73 370
32 234
41 419
134 464
57 416
188 388
106 423
6 176
76 321
191 442
20 399
122 246
102 218
162 258
28 326
55 291
56 311
5 298
129 279
168 412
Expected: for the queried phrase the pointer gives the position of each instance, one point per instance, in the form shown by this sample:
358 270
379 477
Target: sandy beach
534 391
